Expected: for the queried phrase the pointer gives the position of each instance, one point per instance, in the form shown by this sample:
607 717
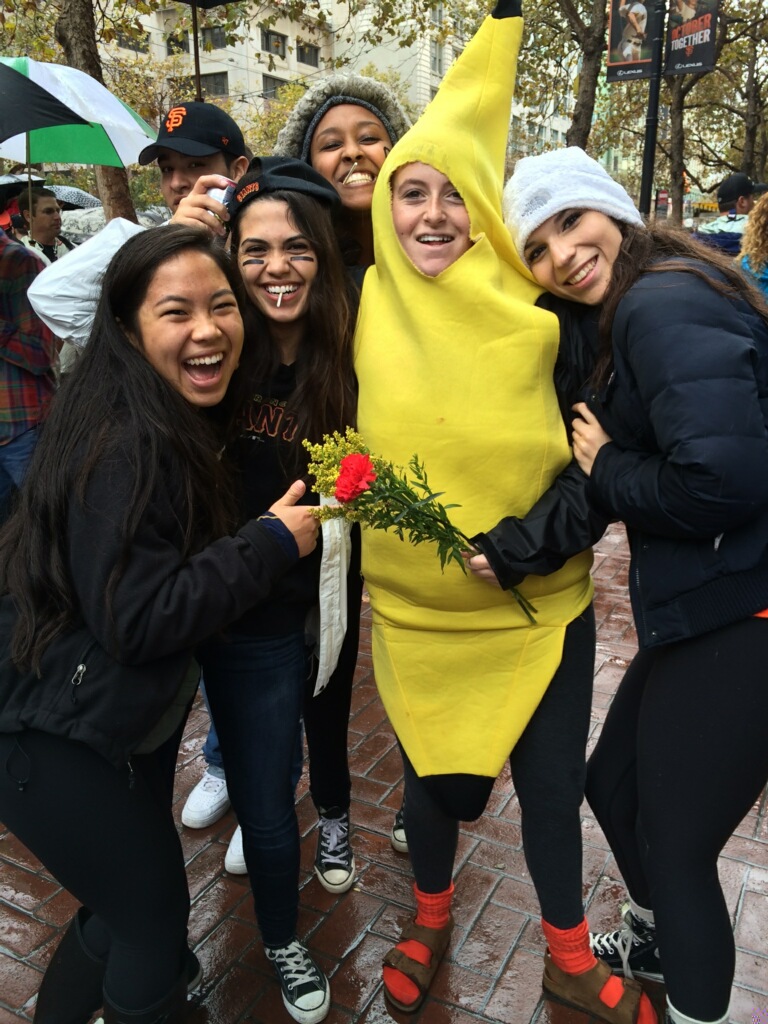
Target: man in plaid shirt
28 352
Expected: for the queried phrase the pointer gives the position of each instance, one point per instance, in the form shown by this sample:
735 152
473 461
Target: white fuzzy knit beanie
564 179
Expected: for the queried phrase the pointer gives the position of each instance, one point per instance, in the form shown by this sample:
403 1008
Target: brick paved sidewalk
493 968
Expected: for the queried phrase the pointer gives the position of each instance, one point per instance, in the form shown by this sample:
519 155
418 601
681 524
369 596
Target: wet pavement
492 972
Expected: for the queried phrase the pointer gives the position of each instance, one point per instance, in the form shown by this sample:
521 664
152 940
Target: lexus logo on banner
691 37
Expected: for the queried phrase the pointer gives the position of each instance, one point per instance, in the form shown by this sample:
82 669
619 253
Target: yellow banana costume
458 369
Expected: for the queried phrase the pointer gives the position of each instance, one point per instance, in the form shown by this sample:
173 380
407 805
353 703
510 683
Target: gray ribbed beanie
564 179
296 134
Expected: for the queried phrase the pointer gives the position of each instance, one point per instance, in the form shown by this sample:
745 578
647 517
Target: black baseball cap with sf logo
196 129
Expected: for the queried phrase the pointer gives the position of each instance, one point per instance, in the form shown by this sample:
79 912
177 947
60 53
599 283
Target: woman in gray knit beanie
344 126
671 437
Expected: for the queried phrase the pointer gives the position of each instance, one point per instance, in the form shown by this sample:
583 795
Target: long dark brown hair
114 402
326 391
654 250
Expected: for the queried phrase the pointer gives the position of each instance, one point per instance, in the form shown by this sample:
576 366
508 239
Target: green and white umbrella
113 136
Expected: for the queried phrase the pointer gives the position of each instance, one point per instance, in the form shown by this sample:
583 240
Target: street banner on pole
630 31
691 37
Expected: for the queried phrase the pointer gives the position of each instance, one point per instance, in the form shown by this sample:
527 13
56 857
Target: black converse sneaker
397 837
631 948
334 863
306 994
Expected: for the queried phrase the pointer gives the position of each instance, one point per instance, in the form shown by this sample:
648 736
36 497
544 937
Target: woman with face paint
297 371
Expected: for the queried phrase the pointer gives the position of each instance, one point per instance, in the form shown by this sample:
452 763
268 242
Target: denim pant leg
211 747
255 687
14 459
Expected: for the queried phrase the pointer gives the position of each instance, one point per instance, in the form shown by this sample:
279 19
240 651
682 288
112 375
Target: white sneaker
207 802
234 861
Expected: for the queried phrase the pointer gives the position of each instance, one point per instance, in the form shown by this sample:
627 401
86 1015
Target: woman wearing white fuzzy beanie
672 441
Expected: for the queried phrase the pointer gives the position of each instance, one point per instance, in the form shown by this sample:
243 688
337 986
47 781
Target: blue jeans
255 688
212 747
14 459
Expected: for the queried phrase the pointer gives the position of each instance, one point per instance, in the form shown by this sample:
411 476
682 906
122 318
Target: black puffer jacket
687 472
108 680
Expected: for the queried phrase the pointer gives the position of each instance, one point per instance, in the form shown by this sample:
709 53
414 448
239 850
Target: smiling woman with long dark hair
117 560
671 438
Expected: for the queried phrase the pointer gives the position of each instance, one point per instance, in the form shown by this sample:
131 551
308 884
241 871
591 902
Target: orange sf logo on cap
175 118
253 187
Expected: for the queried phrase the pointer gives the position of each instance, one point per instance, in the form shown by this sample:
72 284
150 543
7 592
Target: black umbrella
24 105
206 6
13 185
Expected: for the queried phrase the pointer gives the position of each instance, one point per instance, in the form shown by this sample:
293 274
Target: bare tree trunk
591 39
76 33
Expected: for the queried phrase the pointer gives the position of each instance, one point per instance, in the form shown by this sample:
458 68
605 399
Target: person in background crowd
673 441
28 357
344 127
199 147
117 562
735 198
754 245
42 221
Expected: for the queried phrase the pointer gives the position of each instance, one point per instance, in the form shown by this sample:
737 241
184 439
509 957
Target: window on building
177 42
436 15
436 57
274 42
306 54
139 44
214 38
555 137
216 84
616 165
270 85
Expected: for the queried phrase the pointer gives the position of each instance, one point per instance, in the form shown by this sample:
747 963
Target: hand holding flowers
378 495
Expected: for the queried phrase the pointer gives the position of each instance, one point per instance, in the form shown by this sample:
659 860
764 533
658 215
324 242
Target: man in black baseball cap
736 196
198 147
738 193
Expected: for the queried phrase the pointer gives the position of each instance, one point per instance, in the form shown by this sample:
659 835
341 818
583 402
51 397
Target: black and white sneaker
398 838
334 863
306 993
631 948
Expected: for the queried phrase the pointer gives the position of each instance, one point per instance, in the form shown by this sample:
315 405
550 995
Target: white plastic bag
65 294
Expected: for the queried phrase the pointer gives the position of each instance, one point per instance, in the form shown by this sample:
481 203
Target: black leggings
326 717
548 768
681 759
111 841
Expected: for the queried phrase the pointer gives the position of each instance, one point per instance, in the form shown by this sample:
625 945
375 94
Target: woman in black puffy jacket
671 439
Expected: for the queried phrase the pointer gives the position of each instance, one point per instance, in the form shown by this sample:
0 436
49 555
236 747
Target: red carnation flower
355 474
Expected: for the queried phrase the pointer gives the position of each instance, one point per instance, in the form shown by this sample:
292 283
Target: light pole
652 118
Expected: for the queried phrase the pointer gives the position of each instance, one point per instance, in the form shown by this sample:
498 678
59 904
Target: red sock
433 910
570 951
